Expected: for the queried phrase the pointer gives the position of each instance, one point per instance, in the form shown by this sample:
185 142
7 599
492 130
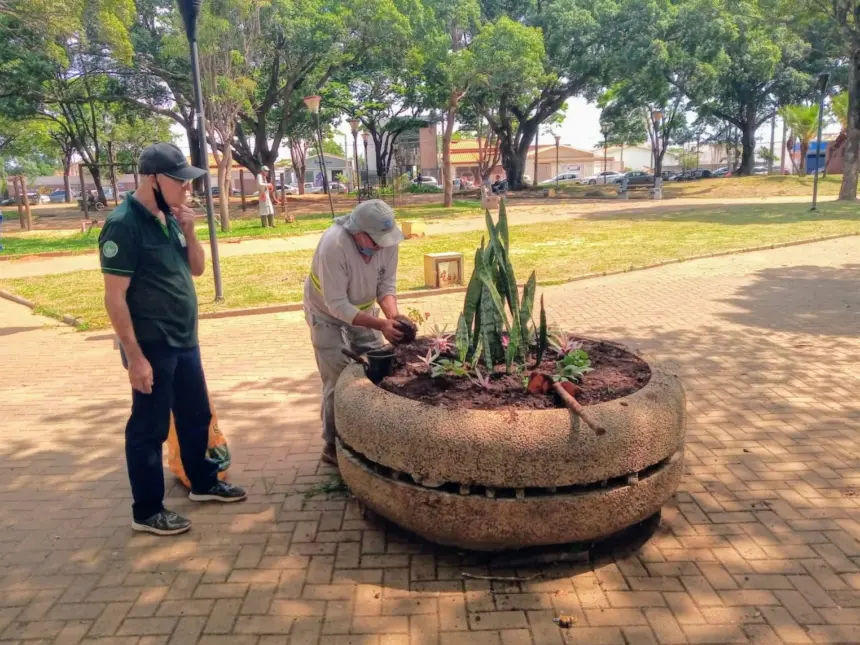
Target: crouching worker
354 268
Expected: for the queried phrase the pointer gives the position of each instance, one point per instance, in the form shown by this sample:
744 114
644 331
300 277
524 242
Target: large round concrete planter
487 480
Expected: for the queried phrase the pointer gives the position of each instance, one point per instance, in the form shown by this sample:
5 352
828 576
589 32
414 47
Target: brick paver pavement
760 545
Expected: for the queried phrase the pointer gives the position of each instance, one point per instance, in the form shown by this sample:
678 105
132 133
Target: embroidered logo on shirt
381 272
110 249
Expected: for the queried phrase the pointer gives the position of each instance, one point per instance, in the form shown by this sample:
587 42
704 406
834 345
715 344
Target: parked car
334 186
605 177
564 176
216 191
721 172
638 178
426 181
461 183
760 170
35 197
59 196
290 189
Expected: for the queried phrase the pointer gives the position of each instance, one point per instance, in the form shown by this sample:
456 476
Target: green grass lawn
556 251
248 227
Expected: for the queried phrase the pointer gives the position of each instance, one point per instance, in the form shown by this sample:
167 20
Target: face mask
159 199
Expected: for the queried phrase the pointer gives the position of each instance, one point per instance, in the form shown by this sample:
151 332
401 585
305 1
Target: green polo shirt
161 297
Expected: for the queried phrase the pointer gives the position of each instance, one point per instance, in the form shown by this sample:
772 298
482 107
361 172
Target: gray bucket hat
375 218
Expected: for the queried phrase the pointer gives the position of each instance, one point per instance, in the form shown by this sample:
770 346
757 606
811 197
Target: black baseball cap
167 159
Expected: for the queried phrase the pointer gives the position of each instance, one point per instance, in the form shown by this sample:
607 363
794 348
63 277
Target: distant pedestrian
267 210
149 250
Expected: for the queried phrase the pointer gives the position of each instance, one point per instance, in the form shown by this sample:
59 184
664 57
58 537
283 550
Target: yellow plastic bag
217 451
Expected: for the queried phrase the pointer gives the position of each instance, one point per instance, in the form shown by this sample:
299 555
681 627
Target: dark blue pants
179 386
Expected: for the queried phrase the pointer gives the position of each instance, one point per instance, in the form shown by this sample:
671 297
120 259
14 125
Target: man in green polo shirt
149 253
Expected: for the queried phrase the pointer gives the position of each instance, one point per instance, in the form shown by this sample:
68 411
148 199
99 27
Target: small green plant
563 343
449 367
440 339
572 366
416 316
426 362
493 305
480 379
334 485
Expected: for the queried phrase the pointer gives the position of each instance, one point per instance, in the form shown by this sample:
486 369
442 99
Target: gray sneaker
162 523
220 492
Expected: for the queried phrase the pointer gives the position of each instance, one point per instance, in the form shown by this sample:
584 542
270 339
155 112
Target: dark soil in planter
616 373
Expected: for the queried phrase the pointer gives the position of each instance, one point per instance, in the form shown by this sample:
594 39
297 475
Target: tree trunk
848 191
804 153
96 173
535 178
381 164
622 157
224 189
447 178
301 169
67 180
748 143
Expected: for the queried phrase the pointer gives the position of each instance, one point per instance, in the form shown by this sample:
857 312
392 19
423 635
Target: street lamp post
656 119
313 104
353 125
822 86
605 130
557 140
190 10
365 136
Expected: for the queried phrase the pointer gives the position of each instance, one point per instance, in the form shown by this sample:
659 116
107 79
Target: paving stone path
760 545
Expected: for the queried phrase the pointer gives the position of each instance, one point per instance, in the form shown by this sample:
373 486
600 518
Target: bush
423 188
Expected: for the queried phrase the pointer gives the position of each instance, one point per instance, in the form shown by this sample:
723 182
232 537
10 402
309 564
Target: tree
299 157
229 37
56 75
766 155
332 147
66 146
625 125
839 108
843 18
26 148
802 120
449 70
387 107
133 132
533 57
757 63
307 41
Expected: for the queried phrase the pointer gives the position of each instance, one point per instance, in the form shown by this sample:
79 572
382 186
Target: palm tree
802 120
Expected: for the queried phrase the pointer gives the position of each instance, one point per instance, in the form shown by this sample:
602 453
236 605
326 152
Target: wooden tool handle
361 360
574 406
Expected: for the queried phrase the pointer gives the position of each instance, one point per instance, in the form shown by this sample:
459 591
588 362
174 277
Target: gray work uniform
339 286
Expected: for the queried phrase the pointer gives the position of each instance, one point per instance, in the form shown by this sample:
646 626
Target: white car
426 181
605 177
565 176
